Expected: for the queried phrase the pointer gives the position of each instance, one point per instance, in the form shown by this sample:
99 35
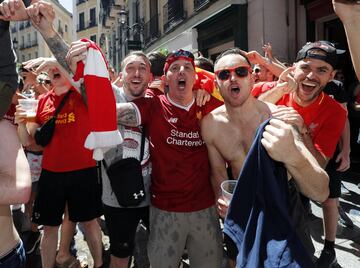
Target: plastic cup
30 107
227 189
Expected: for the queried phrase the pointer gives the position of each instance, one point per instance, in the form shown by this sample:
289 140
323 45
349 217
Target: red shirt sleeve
262 87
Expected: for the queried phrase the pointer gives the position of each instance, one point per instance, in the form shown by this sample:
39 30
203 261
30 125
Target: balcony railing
174 13
198 4
92 23
86 25
151 29
79 2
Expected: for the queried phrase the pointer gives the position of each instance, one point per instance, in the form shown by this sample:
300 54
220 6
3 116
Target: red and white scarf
93 72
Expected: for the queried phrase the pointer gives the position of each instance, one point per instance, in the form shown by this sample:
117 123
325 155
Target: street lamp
123 16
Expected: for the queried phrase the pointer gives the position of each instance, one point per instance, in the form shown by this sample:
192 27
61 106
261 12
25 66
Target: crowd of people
187 124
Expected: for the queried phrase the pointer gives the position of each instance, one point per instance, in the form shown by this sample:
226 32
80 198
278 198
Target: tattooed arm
285 144
42 16
127 114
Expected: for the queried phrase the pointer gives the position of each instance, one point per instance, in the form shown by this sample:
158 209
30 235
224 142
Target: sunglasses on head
241 71
181 53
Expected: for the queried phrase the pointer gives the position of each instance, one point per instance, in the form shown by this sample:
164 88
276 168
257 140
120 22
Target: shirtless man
228 132
15 187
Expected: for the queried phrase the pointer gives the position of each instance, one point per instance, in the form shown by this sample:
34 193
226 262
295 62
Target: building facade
29 43
211 26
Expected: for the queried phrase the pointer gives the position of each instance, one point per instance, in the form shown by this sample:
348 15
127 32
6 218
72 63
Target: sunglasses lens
224 75
183 53
242 71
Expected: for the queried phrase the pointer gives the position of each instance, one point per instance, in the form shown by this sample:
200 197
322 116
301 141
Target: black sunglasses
241 71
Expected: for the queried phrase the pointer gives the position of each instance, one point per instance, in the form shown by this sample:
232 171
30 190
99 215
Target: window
93 38
66 28
36 54
22 40
81 21
92 17
29 56
22 58
35 36
28 38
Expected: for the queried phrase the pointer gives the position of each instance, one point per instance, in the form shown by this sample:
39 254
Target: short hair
230 51
137 53
204 63
157 60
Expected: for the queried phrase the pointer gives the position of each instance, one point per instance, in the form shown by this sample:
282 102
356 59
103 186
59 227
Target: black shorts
122 224
334 178
80 189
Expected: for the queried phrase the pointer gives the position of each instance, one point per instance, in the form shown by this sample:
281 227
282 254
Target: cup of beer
227 189
30 107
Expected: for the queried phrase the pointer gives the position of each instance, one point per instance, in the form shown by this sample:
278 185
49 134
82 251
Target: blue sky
67 4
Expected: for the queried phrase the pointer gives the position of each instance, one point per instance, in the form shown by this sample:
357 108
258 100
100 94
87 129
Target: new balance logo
173 120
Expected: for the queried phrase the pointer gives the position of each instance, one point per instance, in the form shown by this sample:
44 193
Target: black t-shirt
336 90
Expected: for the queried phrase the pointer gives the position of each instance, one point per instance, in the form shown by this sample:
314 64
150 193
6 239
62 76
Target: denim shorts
16 258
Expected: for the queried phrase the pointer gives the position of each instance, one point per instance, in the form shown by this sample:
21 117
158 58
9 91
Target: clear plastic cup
30 107
227 189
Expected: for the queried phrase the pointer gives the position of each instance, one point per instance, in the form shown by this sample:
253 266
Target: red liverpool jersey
181 171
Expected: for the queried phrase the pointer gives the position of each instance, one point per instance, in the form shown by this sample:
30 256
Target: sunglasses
181 53
241 71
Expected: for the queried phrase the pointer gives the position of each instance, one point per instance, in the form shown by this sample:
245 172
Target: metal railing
78 2
173 13
198 4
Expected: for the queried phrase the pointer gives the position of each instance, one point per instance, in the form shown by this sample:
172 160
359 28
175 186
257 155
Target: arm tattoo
59 48
127 115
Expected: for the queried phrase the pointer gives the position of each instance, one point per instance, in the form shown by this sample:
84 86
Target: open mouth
235 89
136 82
182 83
308 86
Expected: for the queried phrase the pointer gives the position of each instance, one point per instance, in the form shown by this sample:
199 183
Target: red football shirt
66 151
181 171
325 119
262 87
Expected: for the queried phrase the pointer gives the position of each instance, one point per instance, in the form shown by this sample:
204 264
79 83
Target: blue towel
258 219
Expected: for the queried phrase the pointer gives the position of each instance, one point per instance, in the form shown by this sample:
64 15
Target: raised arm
285 85
255 58
42 16
285 144
349 14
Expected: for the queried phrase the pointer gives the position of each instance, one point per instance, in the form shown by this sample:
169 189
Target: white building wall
267 23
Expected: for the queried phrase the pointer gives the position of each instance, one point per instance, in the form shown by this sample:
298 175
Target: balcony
79 2
80 27
174 14
199 4
92 23
151 29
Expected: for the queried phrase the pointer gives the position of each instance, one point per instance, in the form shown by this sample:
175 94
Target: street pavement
347 244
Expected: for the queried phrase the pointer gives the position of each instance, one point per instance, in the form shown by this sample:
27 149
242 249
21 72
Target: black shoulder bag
43 134
126 178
